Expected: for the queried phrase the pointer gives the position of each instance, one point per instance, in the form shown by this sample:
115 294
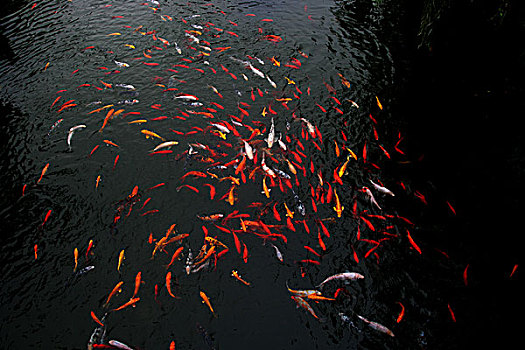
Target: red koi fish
416 247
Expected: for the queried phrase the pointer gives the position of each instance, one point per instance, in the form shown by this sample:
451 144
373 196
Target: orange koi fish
100 109
238 277
95 318
206 300
113 292
137 284
132 301
108 116
231 197
111 143
109 86
208 254
75 253
175 256
168 284
44 171
288 212
193 173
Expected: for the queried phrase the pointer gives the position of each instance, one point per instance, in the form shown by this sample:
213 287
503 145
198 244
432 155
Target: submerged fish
377 326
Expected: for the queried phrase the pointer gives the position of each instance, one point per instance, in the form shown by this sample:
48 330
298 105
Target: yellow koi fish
338 208
151 134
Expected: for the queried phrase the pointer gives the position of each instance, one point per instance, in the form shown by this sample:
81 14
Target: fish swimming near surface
349 276
382 189
71 132
119 345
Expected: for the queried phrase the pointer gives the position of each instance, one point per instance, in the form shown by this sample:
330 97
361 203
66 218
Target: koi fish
370 197
416 247
238 277
379 103
213 217
206 300
115 290
382 189
215 242
55 125
301 302
401 313
303 293
271 135
344 81
278 253
151 134
119 345
265 188
71 132
377 326
90 245
168 284
137 284
95 318
342 170
338 208
132 301
121 64
44 170
350 276
120 259
165 145
75 253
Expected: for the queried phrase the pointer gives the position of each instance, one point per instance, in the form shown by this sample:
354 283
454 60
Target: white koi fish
271 136
342 276
248 150
71 132
382 189
121 64
370 197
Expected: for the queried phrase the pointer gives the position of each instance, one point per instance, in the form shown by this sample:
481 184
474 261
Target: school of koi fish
266 147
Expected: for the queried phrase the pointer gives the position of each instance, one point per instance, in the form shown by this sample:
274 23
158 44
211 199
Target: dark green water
457 148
